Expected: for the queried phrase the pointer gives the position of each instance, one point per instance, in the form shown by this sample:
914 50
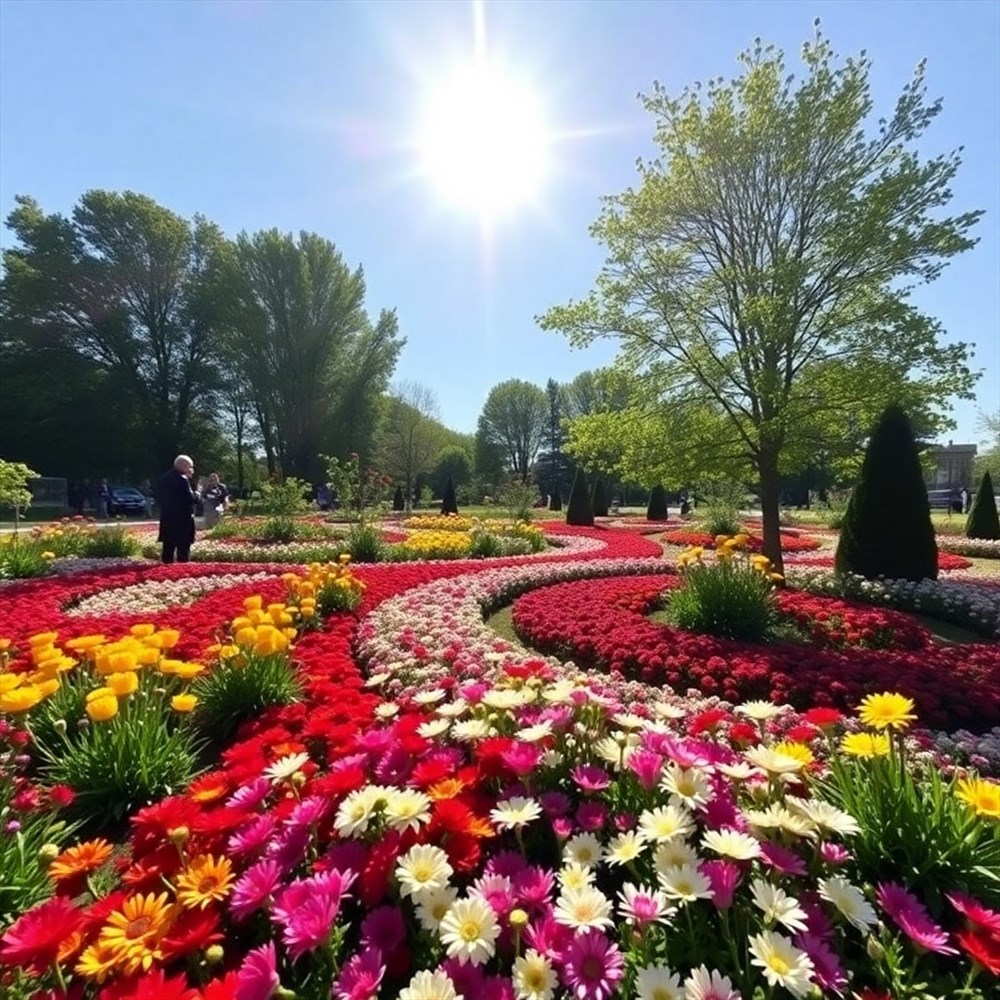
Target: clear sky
308 115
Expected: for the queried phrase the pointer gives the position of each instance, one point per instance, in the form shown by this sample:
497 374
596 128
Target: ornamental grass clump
364 540
254 669
104 717
733 597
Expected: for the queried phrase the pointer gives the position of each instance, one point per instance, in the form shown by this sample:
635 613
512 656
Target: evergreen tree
579 510
599 501
657 508
398 503
983 520
449 505
887 528
555 501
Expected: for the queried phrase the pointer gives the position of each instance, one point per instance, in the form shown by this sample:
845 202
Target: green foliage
364 541
599 500
517 497
656 509
280 499
14 479
983 521
449 504
358 490
452 461
555 501
887 528
228 694
758 358
723 501
514 421
578 510
21 560
914 830
729 599
114 542
278 530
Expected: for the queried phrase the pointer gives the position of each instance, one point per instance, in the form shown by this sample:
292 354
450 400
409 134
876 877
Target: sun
483 142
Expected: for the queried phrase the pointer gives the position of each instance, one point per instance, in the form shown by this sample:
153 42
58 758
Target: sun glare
483 142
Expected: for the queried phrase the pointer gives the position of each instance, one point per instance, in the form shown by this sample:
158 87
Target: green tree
14 491
983 520
514 421
452 462
578 509
131 289
887 529
988 460
776 234
411 438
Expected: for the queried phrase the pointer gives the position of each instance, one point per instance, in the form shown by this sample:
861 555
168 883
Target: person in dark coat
177 501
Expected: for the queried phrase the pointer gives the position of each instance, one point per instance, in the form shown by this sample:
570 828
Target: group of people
179 500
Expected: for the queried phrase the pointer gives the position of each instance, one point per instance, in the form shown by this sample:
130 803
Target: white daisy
506 698
760 711
783 963
387 710
574 876
628 720
684 883
431 697
777 905
469 730
665 823
675 853
777 817
534 978
584 849
433 728
687 785
774 763
584 908
428 985
849 900
286 766
625 847
356 811
532 734
731 844
407 808
423 868
825 815
452 709
664 710
739 771
703 984
657 982
515 812
469 931
432 905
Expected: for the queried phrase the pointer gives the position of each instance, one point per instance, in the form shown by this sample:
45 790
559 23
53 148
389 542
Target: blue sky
301 115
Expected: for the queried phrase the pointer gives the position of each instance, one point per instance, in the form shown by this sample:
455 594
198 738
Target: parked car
945 500
126 500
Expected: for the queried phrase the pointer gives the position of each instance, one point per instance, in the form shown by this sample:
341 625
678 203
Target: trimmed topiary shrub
887 528
657 508
983 520
555 501
397 499
579 510
599 501
449 505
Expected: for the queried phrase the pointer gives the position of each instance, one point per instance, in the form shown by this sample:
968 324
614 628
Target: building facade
953 467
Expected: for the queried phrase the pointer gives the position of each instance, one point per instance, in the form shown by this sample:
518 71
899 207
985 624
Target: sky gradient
301 116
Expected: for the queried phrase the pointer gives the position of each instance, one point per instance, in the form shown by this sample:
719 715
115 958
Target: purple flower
593 966
468 979
533 887
554 804
394 767
254 888
828 973
361 978
781 859
507 863
591 816
258 978
289 847
383 929
910 916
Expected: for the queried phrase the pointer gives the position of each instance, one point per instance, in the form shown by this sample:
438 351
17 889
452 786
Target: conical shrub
449 505
656 510
983 520
887 529
555 501
599 501
397 499
578 510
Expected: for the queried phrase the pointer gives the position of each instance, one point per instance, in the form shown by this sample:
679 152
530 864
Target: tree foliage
887 529
514 421
411 436
763 264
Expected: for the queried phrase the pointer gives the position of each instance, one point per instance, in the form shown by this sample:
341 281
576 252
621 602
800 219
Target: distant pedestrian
103 499
215 498
965 500
177 502
146 489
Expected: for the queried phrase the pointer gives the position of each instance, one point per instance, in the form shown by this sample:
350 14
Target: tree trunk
767 466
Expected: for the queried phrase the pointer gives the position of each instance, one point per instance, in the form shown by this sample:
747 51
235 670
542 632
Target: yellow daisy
983 796
886 709
205 880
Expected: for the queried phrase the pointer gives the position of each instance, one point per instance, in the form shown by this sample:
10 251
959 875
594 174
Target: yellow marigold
123 684
865 744
80 860
102 709
183 702
983 796
20 699
204 881
133 934
886 709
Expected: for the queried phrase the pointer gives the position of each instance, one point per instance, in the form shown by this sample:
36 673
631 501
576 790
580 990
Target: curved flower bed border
980 548
946 561
856 650
789 542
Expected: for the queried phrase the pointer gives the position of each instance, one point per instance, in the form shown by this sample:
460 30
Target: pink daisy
591 816
590 779
251 795
827 970
383 929
251 839
554 804
781 859
533 887
974 911
548 937
834 854
254 888
497 890
522 758
361 977
724 877
308 812
593 966
647 766
258 977
910 916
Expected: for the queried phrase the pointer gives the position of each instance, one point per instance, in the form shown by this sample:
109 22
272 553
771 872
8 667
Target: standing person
103 499
177 501
964 495
147 497
215 497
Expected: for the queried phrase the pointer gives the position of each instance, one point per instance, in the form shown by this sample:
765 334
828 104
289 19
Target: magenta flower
251 795
251 839
383 929
593 966
522 758
724 877
647 766
979 916
308 926
497 890
254 888
721 812
394 767
910 916
590 779
361 978
554 804
548 937
781 859
591 816
258 978
834 854
507 863
533 887
469 980
563 827
289 847
827 970
308 812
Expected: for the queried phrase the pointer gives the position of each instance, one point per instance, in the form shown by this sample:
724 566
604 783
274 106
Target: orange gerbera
80 860
209 787
132 934
447 788
204 881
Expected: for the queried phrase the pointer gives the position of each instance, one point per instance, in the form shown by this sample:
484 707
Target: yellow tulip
143 630
168 637
82 643
102 709
10 681
20 699
49 687
185 671
42 639
253 603
123 684
122 661
101 692
246 636
183 702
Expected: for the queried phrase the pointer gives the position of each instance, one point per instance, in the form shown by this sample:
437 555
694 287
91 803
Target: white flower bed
155 596
980 548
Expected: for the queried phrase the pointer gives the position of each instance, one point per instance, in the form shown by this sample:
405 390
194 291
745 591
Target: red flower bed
946 561
790 542
856 649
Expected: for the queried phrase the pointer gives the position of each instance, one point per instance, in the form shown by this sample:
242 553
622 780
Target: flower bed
790 542
979 548
855 650
946 561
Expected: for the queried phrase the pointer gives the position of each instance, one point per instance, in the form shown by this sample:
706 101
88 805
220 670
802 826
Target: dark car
126 500
950 499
